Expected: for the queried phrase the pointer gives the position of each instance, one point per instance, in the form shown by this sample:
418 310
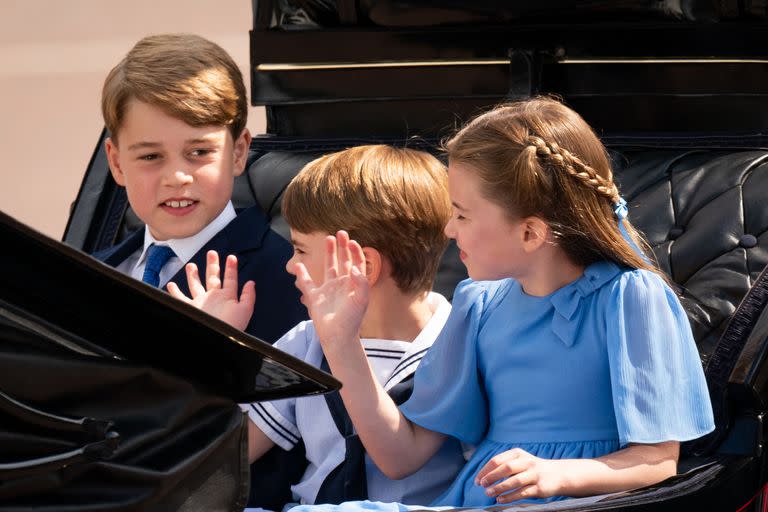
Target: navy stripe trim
275 425
380 353
414 358
392 351
379 356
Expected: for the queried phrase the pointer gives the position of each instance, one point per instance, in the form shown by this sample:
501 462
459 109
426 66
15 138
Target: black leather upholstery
702 211
268 176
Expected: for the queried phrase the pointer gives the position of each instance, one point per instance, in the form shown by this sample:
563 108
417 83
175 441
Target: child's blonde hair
394 200
186 76
539 158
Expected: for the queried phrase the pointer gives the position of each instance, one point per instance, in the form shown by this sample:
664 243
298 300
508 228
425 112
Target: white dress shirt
184 248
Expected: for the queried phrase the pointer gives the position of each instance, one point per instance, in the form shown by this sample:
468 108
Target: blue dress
604 361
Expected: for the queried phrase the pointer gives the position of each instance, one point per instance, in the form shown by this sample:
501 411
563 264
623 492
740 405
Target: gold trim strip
495 62
664 61
369 65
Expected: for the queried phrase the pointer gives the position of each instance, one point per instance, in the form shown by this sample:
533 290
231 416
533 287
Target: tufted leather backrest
700 209
268 176
703 213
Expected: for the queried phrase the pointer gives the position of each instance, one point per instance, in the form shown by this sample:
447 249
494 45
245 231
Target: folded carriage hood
74 301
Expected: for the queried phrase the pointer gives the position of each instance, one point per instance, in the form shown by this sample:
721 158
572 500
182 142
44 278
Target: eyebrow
154 145
457 205
143 145
200 140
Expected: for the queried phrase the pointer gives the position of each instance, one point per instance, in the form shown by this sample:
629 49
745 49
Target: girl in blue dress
567 360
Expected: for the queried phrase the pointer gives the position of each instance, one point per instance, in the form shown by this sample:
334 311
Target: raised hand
518 471
218 297
338 304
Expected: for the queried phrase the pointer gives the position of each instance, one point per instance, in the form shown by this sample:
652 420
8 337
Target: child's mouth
178 206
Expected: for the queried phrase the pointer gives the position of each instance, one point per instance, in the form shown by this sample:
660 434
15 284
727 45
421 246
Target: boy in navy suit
176 110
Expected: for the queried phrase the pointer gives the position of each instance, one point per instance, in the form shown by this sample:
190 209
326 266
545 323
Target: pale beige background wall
54 55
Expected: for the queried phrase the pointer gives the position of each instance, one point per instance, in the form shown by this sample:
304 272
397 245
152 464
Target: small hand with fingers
525 475
218 297
338 304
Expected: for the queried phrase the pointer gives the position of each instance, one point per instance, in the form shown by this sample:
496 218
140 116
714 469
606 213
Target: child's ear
240 148
113 154
373 263
535 233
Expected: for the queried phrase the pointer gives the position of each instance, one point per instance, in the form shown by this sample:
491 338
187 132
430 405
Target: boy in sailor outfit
395 203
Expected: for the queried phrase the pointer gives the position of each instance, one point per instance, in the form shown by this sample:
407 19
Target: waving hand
336 305
218 297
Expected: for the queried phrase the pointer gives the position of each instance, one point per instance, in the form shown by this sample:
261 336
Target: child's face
178 177
309 249
490 244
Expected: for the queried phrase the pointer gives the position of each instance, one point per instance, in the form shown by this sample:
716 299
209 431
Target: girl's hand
338 305
520 472
217 297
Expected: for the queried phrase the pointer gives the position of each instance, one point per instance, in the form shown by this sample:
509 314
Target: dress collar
567 301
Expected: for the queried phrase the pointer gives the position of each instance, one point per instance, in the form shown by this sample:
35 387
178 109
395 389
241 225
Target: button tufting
748 241
675 232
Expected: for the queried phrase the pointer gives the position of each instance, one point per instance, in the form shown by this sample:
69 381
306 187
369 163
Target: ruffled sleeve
659 391
448 393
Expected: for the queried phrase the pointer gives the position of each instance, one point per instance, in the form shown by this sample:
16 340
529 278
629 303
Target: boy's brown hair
394 200
186 76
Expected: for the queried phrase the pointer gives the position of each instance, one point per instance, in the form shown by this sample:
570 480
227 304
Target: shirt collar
186 248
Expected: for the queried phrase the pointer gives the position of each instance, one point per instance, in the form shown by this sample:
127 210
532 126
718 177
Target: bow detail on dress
568 304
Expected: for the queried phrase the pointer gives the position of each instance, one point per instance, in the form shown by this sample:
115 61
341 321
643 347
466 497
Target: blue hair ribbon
621 211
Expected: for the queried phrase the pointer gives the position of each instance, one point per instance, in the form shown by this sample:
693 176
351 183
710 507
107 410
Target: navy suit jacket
261 257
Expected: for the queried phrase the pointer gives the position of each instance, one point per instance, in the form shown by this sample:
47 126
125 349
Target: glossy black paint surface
48 283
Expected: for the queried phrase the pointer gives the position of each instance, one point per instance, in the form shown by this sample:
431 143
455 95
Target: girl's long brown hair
539 158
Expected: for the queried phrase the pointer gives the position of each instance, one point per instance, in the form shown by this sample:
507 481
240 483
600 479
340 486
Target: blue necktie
157 256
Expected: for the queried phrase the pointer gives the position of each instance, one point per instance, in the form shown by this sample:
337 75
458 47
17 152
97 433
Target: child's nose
448 229
179 177
289 267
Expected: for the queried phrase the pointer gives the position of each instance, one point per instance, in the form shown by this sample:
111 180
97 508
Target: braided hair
539 158
575 167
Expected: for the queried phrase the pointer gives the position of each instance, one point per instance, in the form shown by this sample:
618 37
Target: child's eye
201 152
149 157
457 215
297 251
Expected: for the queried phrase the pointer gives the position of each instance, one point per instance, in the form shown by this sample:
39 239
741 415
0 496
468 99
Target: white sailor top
308 419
